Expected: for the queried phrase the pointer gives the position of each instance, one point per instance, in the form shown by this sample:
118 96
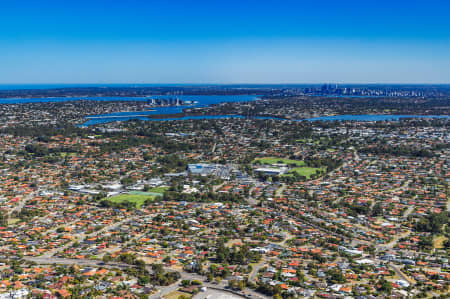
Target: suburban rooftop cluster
252 207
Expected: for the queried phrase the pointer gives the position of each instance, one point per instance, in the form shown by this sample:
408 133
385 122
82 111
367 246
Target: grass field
438 242
158 190
274 160
137 199
304 171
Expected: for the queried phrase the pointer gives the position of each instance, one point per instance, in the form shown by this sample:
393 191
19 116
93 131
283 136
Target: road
166 290
256 268
402 187
280 190
263 262
21 204
249 293
80 237
308 223
217 187
214 294
80 262
394 241
251 201
401 274
409 211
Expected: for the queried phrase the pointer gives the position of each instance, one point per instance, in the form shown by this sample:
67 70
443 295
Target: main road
163 290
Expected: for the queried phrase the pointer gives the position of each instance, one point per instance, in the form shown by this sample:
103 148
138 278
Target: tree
185 282
210 277
300 275
425 242
377 209
3 219
432 223
232 283
157 269
107 258
335 276
166 259
384 286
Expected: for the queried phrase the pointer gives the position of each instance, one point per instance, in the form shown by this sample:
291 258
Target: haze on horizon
222 42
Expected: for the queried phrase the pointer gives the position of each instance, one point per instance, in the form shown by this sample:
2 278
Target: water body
361 117
372 117
112 118
202 101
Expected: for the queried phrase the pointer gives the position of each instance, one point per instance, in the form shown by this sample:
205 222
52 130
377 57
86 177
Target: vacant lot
176 295
438 242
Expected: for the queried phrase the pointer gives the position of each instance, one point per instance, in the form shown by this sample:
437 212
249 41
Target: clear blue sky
227 41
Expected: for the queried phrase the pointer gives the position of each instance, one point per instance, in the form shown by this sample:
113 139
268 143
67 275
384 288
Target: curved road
164 290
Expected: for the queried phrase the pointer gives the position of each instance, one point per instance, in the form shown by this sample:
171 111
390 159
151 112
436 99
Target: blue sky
364 41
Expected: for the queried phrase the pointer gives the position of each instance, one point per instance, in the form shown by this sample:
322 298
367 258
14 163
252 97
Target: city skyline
211 43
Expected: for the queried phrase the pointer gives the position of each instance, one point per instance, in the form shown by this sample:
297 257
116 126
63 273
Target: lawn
304 171
65 154
13 220
274 160
137 199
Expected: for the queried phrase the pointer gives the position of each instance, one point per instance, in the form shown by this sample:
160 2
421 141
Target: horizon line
236 83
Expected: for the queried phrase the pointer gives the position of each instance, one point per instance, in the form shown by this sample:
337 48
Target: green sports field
137 199
304 171
158 190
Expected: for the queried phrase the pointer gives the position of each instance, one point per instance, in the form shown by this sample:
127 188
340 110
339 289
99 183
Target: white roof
365 261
